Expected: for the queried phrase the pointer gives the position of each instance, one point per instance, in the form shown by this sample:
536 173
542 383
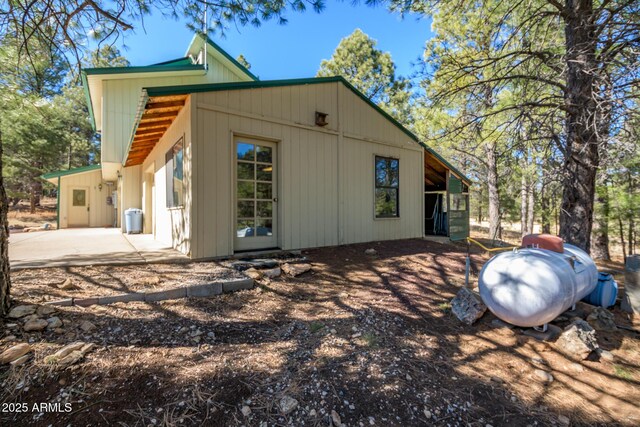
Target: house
221 162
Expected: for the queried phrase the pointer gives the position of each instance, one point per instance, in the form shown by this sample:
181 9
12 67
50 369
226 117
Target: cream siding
120 102
100 213
173 225
325 174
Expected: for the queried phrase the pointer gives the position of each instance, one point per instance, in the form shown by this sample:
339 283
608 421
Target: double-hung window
387 191
174 164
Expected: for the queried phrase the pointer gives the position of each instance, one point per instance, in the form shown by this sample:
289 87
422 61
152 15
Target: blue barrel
605 293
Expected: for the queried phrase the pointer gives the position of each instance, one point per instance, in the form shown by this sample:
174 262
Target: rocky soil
363 338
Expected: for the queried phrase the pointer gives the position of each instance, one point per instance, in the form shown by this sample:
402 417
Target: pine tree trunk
622 243
480 206
530 207
492 188
5 278
582 157
524 208
545 218
600 232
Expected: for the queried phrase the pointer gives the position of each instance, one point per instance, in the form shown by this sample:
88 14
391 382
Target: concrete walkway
86 246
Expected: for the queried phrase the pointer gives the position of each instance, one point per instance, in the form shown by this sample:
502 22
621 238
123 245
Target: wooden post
631 297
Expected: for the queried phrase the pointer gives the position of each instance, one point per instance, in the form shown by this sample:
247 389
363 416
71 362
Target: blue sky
295 49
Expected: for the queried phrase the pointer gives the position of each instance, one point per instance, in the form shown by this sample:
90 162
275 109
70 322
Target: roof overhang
154 116
93 78
52 177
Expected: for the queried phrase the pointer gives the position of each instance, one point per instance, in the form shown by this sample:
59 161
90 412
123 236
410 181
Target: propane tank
531 287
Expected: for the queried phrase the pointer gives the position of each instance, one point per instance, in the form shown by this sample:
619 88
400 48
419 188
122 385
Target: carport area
86 246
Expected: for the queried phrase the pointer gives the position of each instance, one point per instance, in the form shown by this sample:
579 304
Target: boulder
543 376
14 353
602 319
578 340
370 251
35 325
20 360
296 269
467 306
21 311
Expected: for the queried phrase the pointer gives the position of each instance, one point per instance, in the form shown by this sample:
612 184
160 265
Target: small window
387 196
174 165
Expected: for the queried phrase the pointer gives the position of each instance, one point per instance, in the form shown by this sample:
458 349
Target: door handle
275 199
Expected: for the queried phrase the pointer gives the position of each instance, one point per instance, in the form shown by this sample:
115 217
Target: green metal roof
179 61
215 87
73 171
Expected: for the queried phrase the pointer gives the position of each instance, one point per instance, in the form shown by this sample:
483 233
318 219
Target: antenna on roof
206 37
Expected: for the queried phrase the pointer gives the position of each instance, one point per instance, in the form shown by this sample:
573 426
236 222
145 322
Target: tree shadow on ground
367 337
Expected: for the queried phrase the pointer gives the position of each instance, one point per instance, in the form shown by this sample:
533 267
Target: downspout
58 206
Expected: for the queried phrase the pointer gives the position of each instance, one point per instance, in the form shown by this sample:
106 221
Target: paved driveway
86 246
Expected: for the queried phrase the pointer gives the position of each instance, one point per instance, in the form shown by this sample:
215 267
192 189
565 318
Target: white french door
256 207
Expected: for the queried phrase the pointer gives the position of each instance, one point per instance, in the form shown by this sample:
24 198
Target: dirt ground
20 217
369 337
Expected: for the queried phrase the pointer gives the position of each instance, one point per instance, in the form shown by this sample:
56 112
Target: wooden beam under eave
164 104
167 114
158 123
151 130
149 137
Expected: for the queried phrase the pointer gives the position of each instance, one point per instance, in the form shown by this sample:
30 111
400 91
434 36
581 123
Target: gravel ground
359 340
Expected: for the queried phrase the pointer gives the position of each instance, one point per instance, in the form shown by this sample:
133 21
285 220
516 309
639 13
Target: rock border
206 290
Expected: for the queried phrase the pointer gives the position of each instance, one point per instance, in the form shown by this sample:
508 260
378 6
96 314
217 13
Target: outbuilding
221 162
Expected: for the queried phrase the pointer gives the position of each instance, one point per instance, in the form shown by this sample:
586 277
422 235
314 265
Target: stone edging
194 291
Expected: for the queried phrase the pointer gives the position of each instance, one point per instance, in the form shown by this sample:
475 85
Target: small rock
408 377
20 361
313 413
14 353
64 351
543 376
54 323
296 269
602 320
272 273
333 331
87 326
565 421
246 411
8 338
288 404
467 306
70 359
68 285
11 325
253 273
21 311
427 413
35 325
370 251
605 355
45 310
578 339
335 418
576 367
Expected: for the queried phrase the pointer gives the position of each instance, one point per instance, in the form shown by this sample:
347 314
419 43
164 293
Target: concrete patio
86 246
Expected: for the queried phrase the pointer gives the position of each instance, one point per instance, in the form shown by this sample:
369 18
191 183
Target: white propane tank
531 287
